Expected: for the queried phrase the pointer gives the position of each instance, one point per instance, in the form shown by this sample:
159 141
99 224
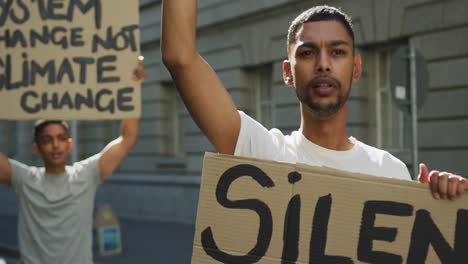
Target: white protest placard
256 211
69 59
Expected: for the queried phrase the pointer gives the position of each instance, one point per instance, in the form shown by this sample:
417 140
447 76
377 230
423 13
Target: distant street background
143 241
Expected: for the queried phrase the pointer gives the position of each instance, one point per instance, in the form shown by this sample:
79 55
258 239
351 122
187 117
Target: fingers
423 176
139 71
434 184
445 185
462 185
452 188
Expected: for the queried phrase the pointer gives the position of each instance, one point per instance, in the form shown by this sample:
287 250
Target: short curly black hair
39 125
319 13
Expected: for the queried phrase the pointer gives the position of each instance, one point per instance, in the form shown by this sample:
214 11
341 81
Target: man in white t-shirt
321 65
56 202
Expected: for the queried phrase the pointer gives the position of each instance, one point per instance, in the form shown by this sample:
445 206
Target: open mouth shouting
324 86
56 155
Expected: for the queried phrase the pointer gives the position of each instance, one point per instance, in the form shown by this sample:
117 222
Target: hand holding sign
139 71
443 184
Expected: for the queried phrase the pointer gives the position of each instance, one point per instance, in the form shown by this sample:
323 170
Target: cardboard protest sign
256 211
69 59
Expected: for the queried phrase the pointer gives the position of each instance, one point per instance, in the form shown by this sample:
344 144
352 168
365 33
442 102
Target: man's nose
323 62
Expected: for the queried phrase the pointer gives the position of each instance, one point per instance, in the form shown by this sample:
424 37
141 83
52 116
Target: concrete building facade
245 42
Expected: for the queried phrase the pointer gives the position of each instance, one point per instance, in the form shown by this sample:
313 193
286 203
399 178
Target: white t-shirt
55 212
257 142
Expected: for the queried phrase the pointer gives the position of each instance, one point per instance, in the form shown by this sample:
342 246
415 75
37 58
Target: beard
324 110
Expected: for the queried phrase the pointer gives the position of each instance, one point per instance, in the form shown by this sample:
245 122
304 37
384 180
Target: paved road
143 241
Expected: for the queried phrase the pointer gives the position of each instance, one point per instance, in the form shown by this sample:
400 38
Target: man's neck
55 170
328 133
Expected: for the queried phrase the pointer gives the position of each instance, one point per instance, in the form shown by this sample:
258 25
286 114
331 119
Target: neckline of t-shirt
308 146
55 177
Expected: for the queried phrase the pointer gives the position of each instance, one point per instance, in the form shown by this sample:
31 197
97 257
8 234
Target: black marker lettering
59 39
83 62
76 38
318 239
48 69
20 19
291 231
110 107
102 69
266 222
5 10
24 103
124 97
52 10
65 69
369 232
84 8
49 100
65 101
42 37
425 233
84 100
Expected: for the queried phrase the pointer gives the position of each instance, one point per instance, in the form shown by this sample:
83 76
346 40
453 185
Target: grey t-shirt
56 212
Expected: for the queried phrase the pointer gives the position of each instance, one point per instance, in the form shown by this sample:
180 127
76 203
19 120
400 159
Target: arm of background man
203 93
5 170
113 154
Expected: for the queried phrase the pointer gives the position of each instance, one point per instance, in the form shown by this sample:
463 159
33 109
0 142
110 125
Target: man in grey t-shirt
55 202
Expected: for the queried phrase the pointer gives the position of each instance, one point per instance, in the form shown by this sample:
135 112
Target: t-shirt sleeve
404 173
394 167
19 172
258 142
89 169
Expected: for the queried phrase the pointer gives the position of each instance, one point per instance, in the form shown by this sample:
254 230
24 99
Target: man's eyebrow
310 45
44 137
333 43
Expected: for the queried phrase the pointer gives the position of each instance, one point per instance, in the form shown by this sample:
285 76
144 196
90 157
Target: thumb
423 176
139 70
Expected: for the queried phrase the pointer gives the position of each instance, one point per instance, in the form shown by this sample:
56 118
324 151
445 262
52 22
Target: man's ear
70 144
287 73
36 149
357 71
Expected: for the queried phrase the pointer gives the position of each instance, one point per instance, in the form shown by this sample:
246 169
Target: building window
172 130
10 139
260 81
390 125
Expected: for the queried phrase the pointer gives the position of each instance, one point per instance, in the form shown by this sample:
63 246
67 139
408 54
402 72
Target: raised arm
203 93
5 170
113 154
